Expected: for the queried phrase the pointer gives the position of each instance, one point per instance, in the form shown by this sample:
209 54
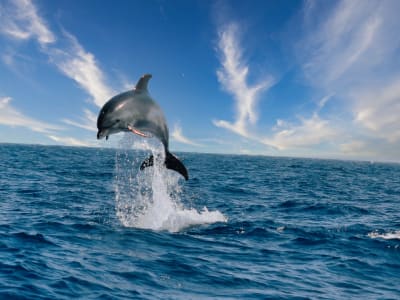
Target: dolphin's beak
100 135
103 133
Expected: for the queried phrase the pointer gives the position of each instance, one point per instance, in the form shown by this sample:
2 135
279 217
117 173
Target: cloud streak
20 21
177 135
69 141
353 53
11 116
81 66
310 132
351 44
233 77
378 110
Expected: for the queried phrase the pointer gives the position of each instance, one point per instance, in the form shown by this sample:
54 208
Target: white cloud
321 103
308 133
351 50
11 116
348 51
20 21
81 66
354 44
88 122
233 77
352 147
69 141
178 136
340 44
378 109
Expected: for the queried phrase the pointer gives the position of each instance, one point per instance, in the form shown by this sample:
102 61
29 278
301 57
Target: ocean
85 223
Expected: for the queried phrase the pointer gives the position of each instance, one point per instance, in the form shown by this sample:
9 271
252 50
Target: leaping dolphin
137 112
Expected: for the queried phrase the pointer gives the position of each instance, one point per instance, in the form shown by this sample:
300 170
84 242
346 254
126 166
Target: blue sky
286 78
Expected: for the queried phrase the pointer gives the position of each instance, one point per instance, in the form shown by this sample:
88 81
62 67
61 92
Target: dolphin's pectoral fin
138 132
148 162
171 162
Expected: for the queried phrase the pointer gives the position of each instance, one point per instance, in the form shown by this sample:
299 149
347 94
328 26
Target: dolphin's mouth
137 131
100 134
105 132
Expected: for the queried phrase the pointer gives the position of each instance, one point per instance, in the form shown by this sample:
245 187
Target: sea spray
151 199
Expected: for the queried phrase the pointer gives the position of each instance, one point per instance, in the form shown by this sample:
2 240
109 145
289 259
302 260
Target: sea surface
85 223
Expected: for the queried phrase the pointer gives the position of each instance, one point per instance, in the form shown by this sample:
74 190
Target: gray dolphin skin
137 112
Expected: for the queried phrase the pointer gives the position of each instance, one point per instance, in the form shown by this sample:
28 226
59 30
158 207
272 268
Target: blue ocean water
85 223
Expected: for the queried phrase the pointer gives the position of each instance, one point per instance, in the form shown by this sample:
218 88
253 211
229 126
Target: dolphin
137 112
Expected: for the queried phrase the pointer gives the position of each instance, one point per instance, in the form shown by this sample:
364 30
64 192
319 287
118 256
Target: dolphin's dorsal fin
142 83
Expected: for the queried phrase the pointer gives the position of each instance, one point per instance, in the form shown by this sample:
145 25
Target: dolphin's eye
117 120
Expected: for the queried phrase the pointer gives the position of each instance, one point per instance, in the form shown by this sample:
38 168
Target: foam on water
151 199
387 235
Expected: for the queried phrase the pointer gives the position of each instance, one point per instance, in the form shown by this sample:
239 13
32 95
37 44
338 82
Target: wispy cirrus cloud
70 141
233 77
378 109
81 66
353 52
305 134
11 116
348 50
177 135
338 44
21 21
87 122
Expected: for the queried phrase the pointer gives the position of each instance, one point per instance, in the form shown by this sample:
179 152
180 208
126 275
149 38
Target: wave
387 236
151 199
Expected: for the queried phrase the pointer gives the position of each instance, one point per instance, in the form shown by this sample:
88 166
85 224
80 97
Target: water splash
151 199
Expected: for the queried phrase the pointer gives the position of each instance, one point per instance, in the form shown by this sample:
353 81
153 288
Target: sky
283 78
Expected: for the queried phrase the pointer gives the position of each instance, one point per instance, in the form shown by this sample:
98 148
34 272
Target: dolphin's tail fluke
171 162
